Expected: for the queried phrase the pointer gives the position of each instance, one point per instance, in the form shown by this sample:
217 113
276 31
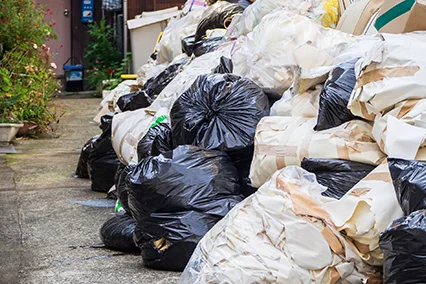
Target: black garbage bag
81 171
121 186
339 176
225 66
188 45
156 84
157 140
333 110
176 198
134 101
117 233
103 162
404 247
206 45
409 180
221 112
218 112
215 16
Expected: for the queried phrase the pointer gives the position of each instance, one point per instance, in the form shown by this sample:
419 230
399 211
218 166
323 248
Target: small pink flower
53 65
35 46
30 82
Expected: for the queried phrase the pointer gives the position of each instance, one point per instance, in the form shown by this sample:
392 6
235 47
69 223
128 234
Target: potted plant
8 127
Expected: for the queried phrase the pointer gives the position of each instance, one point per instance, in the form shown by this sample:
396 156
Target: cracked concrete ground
45 235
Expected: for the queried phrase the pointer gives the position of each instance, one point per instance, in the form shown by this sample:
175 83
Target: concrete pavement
46 235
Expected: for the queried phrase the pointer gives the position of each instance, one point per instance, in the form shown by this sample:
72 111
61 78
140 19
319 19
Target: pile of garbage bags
269 141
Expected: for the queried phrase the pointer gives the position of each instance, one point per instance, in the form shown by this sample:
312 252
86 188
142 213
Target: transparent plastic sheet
176 198
282 141
178 28
392 71
280 234
324 12
305 104
404 245
283 41
130 127
117 233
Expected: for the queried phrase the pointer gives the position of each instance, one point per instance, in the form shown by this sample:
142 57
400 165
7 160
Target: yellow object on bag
330 17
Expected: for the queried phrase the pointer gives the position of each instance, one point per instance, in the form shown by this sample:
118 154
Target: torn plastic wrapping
404 246
103 162
117 233
409 179
225 66
252 15
401 132
134 101
333 103
216 16
281 234
130 127
282 141
178 28
283 41
176 198
339 176
158 140
390 73
81 171
366 211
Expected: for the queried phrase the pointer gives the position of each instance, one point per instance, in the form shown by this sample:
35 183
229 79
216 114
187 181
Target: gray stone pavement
45 236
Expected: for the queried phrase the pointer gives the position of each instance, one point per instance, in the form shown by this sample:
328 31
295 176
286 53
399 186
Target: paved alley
49 221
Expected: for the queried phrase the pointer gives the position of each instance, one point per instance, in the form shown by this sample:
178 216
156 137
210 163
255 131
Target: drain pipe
125 27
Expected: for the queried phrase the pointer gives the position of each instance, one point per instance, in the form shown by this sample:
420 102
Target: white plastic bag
170 44
366 211
402 131
321 10
282 141
394 70
283 41
280 234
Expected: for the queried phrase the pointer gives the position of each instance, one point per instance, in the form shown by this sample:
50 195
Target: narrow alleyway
49 221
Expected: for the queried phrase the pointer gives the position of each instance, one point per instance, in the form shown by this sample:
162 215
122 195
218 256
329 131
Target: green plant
27 80
102 55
